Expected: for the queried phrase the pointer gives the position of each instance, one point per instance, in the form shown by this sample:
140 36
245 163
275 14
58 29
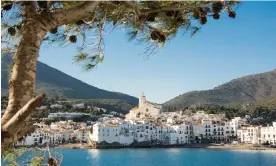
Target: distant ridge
245 89
56 83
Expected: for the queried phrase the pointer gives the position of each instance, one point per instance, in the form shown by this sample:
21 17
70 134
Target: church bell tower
142 100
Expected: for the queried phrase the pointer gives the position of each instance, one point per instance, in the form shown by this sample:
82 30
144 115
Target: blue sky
222 50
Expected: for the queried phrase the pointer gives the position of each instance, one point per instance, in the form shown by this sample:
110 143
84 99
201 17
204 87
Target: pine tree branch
140 11
29 9
67 16
13 125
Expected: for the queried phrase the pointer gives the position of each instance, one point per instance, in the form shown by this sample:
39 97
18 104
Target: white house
68 115
41 136
249 135
79 106
268 134
56 106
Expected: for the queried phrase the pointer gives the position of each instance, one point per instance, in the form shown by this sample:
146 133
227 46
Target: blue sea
166 157
162 157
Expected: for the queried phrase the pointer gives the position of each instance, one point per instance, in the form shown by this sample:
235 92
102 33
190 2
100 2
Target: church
144 110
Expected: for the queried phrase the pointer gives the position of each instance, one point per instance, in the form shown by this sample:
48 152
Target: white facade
268 134
56 106
127 132
111 133
57 133
144 110
41 136
249 135
258 134
65 115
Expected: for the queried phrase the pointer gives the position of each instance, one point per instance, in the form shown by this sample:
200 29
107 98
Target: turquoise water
166 157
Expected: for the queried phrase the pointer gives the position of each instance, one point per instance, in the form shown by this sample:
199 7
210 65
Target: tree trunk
22 80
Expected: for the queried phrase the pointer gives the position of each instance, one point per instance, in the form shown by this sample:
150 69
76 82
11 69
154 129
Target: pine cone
42 4
232 14
11 31
80 22
155 35
73 39
7 7
216 16
54 31
203 20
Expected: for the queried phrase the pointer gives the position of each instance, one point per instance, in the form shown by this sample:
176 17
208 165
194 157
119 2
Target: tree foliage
150 22
15 157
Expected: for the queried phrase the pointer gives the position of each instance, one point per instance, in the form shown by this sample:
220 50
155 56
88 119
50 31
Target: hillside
56 83
245 89
108 104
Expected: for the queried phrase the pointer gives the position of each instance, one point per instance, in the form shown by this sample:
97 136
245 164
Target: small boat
74 147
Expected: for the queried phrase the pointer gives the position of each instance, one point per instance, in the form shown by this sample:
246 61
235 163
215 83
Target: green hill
245 89
58 84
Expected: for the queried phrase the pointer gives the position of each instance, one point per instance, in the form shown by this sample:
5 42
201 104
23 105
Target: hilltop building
145 109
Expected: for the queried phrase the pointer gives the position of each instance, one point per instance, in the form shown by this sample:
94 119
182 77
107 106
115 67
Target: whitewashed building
144 110
258 134
249 135
68 115
268 134
41 136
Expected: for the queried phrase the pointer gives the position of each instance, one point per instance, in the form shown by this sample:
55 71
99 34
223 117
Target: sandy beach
207 146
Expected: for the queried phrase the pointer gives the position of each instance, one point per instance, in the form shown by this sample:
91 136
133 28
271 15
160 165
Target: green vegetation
245 89
109 105
261 112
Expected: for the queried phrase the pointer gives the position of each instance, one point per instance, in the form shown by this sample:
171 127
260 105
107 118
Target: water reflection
168 157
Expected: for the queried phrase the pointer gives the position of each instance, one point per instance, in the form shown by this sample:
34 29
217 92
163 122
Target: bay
166 157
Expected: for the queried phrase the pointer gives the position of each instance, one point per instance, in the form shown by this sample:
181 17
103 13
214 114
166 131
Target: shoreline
203 146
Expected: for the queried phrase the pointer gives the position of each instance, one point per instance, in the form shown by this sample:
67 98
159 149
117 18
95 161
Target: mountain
245 89
56 83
